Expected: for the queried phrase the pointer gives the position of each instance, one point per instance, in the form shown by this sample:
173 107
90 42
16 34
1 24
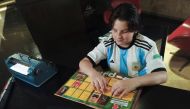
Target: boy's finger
116 92
123 94
93 84
97 86
113 89
105 82
102 85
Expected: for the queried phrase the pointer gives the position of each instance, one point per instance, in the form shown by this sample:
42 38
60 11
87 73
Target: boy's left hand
122 87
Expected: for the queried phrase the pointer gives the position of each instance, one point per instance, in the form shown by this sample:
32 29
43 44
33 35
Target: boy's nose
118 35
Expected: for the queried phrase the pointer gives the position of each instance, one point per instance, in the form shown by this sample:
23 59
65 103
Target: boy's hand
122 87
98 81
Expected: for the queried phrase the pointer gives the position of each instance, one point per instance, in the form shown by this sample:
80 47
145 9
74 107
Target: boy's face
120 33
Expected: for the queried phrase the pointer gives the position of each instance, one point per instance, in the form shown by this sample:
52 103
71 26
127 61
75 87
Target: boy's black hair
126 12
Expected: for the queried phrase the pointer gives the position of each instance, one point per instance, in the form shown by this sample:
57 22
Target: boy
128 53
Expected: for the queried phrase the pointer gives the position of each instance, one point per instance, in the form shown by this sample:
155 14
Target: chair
115 3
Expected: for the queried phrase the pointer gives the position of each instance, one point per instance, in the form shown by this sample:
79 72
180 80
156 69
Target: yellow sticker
129 96
84 96
70 82
70 91
84 85
77 93
90 88
87 79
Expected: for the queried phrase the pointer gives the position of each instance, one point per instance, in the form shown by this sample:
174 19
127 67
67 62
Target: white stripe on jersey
114 60
132 58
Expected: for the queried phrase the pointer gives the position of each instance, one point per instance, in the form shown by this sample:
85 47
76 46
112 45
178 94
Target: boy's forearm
154 78
86 67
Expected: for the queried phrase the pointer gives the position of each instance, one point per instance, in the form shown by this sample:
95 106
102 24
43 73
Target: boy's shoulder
144 38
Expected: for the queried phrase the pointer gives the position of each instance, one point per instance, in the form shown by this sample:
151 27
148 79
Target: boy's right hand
98 82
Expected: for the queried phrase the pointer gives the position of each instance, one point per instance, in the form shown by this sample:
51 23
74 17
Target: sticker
119 102
80 77
103 100
94 97
76 84
77 93
62 90
84 85
70 92
84 96
115 106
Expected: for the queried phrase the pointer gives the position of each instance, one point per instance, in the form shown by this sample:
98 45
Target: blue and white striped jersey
140 58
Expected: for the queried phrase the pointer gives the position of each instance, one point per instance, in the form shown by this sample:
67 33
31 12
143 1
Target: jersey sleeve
154 60
98 53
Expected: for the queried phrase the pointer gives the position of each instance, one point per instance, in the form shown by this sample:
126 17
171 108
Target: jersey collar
131 44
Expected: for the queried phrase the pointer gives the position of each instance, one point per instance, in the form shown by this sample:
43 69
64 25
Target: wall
2 18
175 9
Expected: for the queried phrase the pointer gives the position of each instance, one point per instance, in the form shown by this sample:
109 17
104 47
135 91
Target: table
162 97
25 96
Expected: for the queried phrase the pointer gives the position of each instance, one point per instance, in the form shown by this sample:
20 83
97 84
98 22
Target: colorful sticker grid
80 84
79 87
